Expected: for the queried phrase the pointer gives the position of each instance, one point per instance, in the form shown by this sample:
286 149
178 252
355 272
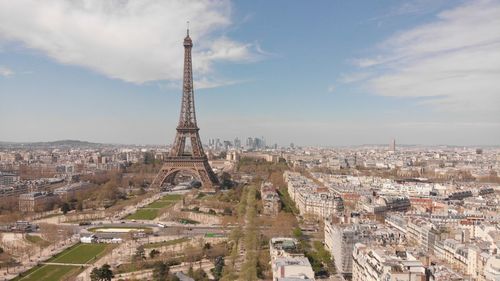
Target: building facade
37 201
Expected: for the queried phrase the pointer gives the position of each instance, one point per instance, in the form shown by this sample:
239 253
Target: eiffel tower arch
187 155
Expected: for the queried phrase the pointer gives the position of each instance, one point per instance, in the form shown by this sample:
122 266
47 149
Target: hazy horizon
268 144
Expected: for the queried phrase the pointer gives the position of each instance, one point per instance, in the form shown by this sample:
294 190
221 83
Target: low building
88 239
287 261
293 267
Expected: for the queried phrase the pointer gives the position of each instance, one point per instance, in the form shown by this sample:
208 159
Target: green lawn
35 239
48 273
143 214
150 211
187 221
160 204
79 254
166 243
173 197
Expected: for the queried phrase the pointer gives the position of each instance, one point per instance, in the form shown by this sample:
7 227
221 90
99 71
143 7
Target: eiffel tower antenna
183 158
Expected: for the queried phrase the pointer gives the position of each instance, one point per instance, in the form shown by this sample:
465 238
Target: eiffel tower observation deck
187 155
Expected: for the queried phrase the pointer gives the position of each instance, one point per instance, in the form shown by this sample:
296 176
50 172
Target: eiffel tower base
199 168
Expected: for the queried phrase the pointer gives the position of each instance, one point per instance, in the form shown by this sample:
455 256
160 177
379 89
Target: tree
225 180
228 211
103 273
79 205
49 232
149 158
139 253
200 275
222 155
192 254
297 232
219 265
153 253
65 208
160 271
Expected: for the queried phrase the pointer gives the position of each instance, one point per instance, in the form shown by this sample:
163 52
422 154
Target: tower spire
187 117
187 28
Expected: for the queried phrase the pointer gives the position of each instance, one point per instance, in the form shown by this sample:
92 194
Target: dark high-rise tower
187 153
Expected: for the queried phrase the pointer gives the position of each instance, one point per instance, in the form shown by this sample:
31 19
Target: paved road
172 228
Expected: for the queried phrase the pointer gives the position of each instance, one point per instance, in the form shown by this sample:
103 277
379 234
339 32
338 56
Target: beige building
70 191
295 268
373 263
287 261
310 198
37 201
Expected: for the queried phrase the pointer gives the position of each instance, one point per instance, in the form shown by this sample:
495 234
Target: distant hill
57 143
66 142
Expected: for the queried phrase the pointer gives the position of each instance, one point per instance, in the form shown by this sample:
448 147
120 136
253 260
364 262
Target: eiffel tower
182 158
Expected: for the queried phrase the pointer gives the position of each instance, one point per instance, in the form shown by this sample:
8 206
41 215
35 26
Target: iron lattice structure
180 159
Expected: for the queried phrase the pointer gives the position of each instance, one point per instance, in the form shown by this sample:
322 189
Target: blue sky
312 73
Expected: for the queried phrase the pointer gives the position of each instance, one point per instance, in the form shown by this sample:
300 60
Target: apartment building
375 263
37 201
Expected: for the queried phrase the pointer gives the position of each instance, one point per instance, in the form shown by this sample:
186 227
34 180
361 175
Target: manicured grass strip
174 197
166 243
187 221
48 273
143 214
80 254
35 239
150 211
160 204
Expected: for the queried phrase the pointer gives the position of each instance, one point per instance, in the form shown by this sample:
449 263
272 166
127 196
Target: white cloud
354 77
5 71
136 41
453 63
411 8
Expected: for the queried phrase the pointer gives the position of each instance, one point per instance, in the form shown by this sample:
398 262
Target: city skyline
332 74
